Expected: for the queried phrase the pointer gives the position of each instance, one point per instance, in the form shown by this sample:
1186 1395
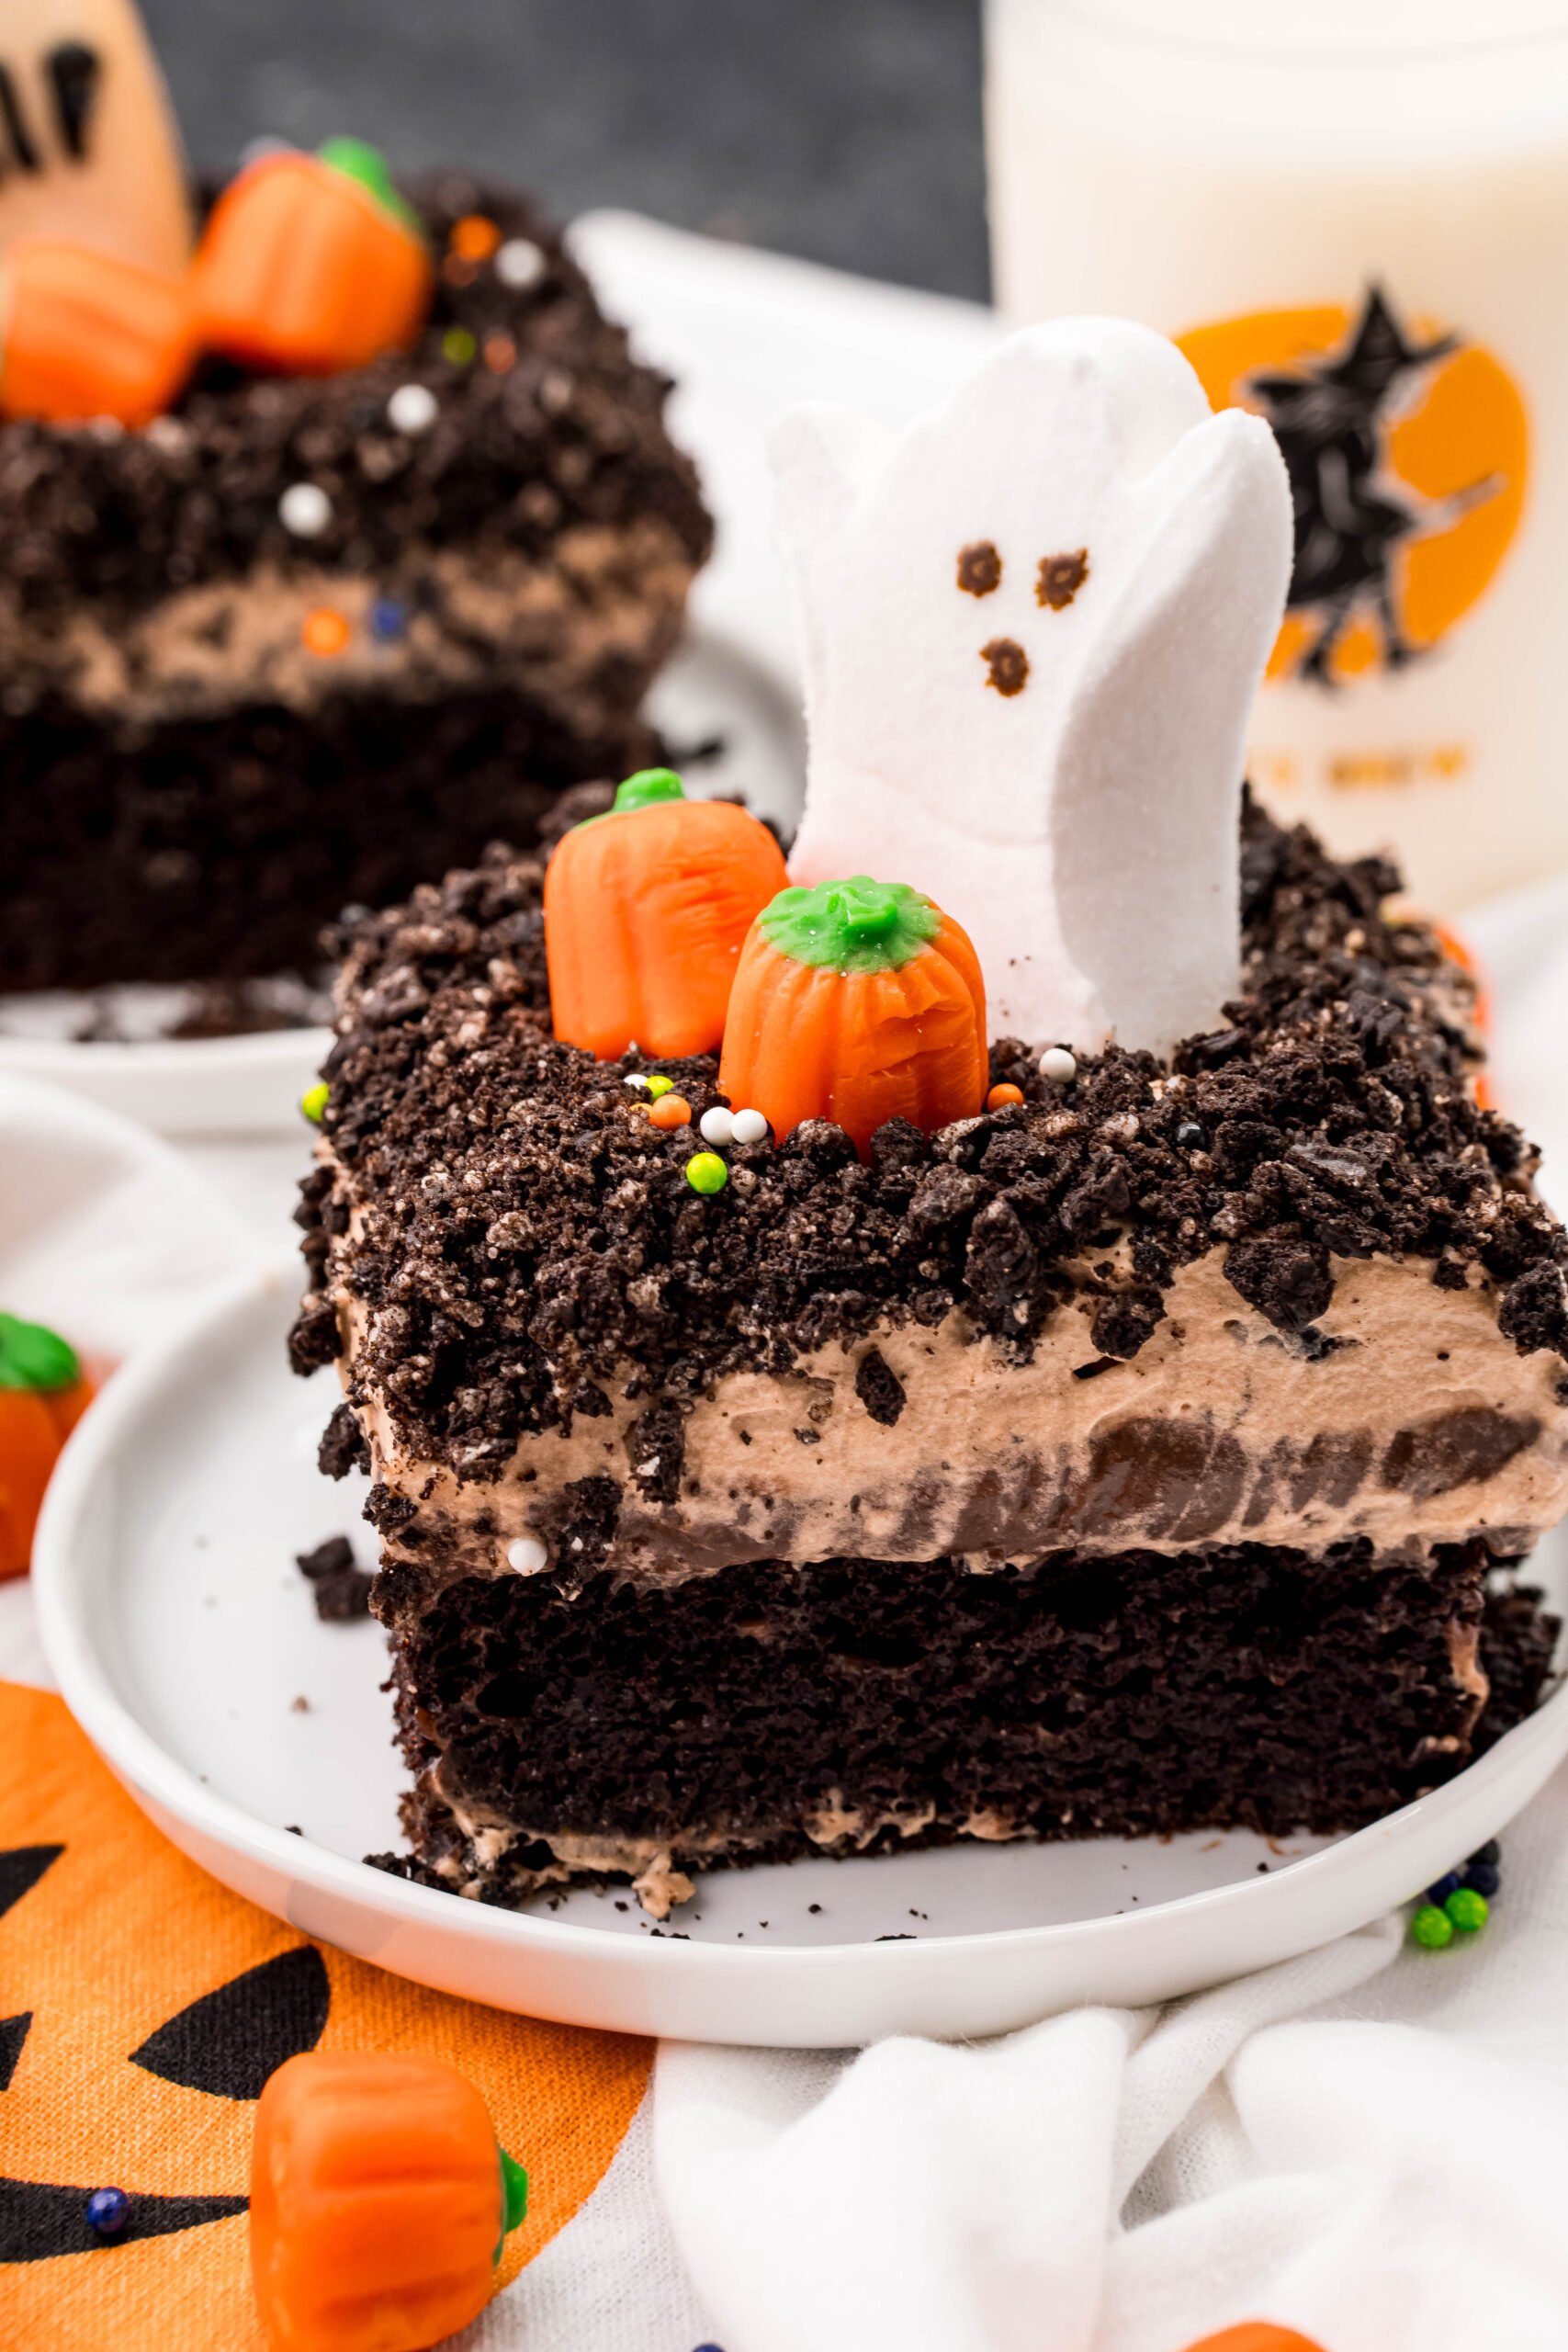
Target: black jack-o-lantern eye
225 2044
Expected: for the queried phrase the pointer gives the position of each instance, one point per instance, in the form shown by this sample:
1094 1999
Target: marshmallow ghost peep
88 150
1033 627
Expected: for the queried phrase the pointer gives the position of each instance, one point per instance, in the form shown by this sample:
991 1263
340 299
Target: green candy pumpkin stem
854 926
514 2200
33 1356
650 789
357 160
516 2181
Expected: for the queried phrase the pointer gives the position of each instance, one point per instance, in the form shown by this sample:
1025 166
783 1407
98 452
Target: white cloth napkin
1369 2143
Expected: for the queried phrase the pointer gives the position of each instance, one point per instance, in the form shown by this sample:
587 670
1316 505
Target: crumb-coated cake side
1132 1455
306 638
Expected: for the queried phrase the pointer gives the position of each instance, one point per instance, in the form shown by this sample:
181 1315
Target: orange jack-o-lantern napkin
141 2009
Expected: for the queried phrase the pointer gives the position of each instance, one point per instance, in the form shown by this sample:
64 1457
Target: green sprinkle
458 345
657 1085
854 926
33 1356
1467 1909
314 1100
705 1173
357 160
1432 1928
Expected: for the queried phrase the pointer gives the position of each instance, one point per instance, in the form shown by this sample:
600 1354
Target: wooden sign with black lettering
88 149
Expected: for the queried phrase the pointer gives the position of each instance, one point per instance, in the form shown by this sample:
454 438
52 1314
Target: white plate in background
182 1637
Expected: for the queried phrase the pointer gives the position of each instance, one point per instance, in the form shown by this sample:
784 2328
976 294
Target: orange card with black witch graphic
144 2010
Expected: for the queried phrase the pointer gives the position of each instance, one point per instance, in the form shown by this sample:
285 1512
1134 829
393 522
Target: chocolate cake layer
220 848
557 1726
503 579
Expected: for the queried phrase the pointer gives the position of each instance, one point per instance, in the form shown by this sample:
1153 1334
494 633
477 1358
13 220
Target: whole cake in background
1019 1328
339 531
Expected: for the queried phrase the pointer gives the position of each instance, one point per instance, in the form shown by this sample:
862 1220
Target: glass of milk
1353 215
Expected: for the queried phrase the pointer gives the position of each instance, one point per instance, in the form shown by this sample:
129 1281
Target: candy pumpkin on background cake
86 334
311 263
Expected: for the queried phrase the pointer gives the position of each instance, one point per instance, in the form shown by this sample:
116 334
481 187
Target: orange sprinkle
326 631
500 354
458 270
999 1095
670 1111
475 237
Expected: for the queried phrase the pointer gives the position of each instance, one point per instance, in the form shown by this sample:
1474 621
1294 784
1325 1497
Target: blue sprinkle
389 619
1484 1877
109 2210
1448 1884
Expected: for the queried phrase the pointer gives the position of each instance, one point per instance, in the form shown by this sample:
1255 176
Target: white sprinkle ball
1057 1064
635 1077
413 408
519 263
747 1127
305 509
528 1556
717 1126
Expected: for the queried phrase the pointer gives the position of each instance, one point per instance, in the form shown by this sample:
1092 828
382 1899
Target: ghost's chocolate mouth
1007 663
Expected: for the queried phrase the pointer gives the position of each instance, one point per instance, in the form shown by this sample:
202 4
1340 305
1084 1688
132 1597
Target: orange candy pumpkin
646 908
858 1001
380 2203
43 1394
85 334
311 263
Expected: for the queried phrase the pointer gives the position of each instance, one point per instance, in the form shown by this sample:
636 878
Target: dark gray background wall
845 130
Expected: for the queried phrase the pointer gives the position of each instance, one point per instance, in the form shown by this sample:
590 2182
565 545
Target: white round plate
186 1644
713 691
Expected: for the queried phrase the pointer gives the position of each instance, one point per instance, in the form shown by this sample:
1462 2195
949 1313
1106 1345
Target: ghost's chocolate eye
979 568
1007 663
1060 578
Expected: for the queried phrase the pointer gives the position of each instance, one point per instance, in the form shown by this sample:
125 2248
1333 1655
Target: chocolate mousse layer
1285 1309
218 727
